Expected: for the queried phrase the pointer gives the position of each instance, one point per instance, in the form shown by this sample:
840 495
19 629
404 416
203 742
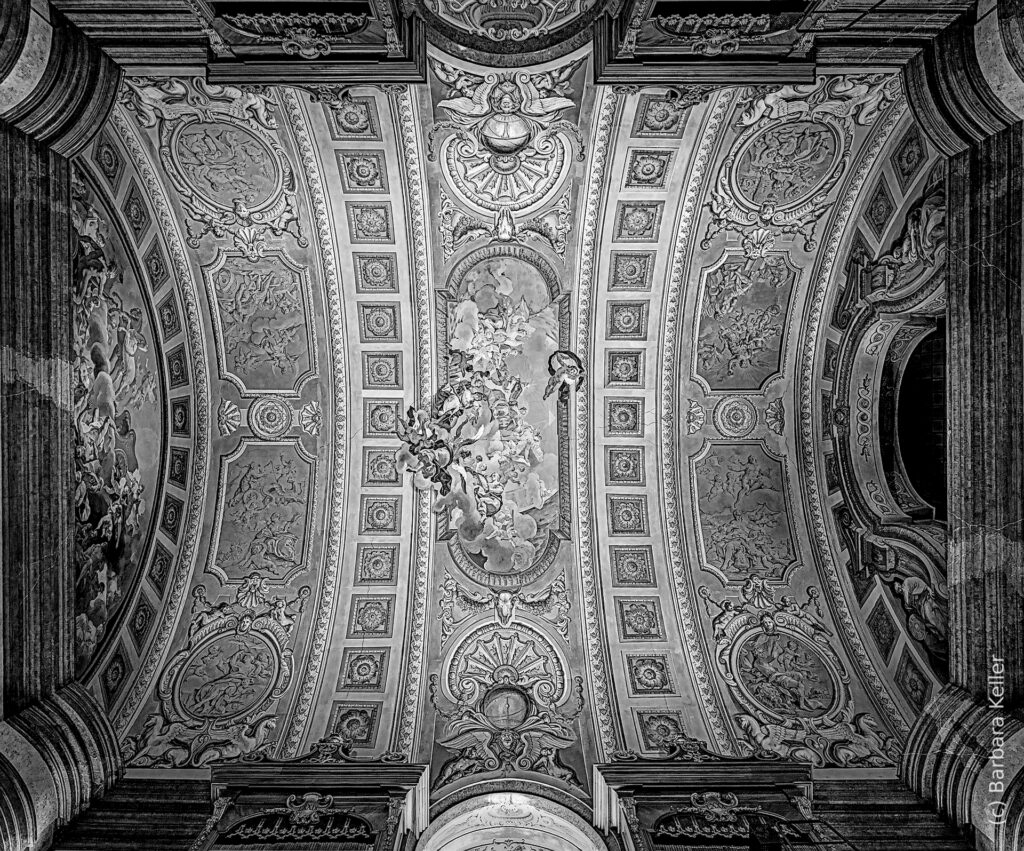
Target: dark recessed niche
921 420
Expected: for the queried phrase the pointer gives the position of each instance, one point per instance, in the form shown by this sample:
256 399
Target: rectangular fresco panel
744 515
266 490
743 309
264 341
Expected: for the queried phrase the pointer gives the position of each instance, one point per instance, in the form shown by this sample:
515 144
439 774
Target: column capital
967 84
55 86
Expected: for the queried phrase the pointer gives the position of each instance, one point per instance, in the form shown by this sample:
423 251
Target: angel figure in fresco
566 371
506 114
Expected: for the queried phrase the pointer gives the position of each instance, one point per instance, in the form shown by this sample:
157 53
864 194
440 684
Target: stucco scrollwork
505 146
777 660
794 147
215 693
551 602
220 153
507 704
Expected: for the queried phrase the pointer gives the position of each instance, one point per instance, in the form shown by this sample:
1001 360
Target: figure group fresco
489 446
118 420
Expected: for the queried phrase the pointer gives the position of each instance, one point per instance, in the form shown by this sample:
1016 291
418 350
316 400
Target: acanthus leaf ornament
229 417
696 416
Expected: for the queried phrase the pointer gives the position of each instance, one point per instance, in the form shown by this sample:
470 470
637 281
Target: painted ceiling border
307 690
404 109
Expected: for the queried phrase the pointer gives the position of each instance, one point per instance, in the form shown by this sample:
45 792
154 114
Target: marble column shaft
986 417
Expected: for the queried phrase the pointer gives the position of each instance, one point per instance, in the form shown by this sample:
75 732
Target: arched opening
510 821
921 420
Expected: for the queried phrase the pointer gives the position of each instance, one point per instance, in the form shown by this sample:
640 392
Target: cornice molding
950 94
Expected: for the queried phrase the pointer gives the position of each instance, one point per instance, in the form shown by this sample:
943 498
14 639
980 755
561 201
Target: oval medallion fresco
785 675
784 164
227 677
227 164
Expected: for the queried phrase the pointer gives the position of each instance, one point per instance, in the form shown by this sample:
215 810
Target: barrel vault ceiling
505 423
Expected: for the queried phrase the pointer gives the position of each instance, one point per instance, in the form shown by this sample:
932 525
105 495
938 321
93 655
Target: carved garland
808 402
186 287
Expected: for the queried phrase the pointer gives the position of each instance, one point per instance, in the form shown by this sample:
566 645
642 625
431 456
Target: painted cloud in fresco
490 445
117 419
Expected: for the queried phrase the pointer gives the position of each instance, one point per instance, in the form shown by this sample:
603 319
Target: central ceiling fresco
508 423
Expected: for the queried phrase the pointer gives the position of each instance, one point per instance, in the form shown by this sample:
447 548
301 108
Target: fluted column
57 748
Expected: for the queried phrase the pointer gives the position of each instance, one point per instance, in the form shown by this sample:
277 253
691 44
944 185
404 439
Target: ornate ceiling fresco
507 423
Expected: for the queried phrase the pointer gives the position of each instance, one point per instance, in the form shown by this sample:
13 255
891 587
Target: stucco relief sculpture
116 391
551 602
507 20
216 694
309 36
916 255
794 146
218 147
507 705
505 149
714 35
793 689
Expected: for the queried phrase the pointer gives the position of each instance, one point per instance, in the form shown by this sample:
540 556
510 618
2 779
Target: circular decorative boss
735 417
270 417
